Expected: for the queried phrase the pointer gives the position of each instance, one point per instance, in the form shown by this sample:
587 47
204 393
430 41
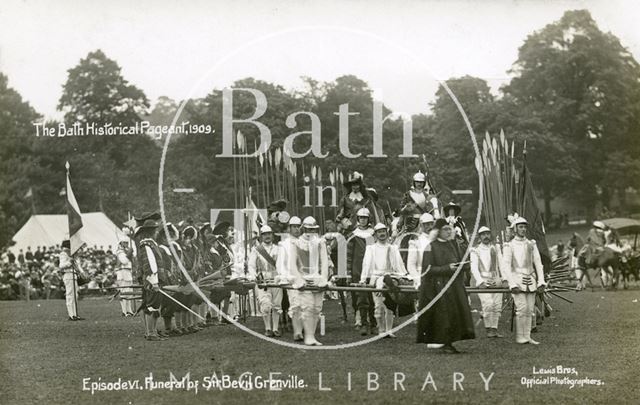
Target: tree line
574 96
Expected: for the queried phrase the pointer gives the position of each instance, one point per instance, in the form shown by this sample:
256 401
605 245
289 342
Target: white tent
50 230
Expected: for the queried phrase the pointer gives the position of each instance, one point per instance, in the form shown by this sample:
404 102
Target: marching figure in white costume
380 259
70 269
419 245
309 265
124 277
523 268
263 267
486 271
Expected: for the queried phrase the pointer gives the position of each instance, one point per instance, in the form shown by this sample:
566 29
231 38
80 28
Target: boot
381 324
389 322
358 322
296 322
521 324
527 332
267 325
309 325
275 318
167 324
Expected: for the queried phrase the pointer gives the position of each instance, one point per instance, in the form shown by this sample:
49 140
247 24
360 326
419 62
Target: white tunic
415 254
481 264
522 264
380 259
258 264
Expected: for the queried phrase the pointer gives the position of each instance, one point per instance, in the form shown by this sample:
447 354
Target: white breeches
491 309
294 303
70 286
524 303
269 300
310 303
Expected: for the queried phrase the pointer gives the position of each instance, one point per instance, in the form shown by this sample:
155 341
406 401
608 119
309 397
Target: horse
605 261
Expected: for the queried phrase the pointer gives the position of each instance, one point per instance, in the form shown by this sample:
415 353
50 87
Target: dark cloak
449 319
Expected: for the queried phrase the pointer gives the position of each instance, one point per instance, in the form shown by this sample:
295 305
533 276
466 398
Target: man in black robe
449 319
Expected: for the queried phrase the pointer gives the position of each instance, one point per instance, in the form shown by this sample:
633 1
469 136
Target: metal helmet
426 218
362 212
420 177
295 221
310 223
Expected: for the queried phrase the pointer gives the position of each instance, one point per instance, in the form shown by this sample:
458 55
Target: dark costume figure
151 269
357 243
355 198
216 260
420 197
449 318
451 212
171 276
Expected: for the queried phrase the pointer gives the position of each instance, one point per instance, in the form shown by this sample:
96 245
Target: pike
179 303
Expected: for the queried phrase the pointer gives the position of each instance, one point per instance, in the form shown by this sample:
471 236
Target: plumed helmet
518 221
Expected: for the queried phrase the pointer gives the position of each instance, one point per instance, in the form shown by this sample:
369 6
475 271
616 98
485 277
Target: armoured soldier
523 267
486 270
309 264
420 197
381 259
287 254
262 266
419 245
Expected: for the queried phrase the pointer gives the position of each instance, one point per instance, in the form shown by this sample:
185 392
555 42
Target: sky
185 49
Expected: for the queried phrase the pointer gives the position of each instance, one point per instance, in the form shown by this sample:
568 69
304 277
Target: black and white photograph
319 202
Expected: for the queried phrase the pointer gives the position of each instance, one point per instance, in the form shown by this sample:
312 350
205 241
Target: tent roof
51 230
623 225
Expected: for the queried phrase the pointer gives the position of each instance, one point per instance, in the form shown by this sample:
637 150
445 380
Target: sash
492 268
265 255
419 199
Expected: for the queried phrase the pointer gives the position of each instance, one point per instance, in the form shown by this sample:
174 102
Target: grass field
44 358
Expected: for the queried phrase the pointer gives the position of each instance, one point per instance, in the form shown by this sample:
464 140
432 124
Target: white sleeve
503 271
506 261
397 260
413 255
153 278
65 261
123 259
324 260
475 271
366 264
253 263
537 262
281 260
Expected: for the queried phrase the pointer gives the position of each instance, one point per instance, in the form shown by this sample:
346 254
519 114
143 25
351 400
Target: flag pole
73 260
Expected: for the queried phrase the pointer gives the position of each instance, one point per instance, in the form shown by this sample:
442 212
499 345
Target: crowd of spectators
34 274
